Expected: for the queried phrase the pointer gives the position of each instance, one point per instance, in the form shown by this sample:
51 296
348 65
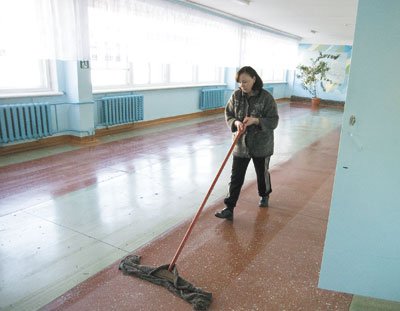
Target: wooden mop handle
189 230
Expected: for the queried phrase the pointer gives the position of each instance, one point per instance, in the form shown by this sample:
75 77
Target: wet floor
68 213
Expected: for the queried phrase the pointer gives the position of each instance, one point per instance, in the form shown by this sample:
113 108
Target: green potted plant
315 74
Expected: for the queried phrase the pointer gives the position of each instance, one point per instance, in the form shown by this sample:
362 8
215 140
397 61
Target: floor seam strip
76 231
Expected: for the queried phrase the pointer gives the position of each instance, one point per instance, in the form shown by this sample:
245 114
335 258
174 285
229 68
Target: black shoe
263 202
226 213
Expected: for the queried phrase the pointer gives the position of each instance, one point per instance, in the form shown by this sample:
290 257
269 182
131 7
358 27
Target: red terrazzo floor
266 259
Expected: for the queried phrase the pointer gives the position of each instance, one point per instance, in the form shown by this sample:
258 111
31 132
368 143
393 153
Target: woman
252 113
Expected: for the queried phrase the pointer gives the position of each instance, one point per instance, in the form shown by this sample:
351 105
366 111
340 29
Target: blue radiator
121 109
25 121
212 98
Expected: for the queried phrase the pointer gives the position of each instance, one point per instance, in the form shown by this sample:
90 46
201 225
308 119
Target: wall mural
339 72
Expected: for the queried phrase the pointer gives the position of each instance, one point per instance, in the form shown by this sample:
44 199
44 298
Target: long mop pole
189 230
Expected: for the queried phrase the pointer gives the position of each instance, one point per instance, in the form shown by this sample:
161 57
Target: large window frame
273 75
209 43
170 45
45 81
27 50
165 76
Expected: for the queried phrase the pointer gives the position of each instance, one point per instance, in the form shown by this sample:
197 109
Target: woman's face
246 82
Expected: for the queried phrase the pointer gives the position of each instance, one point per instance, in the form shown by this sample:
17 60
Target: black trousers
239 168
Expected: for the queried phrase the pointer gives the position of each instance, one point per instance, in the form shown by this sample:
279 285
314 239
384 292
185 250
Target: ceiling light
243 2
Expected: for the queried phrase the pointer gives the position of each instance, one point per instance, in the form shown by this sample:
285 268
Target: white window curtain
33 33
160 32
43 29
266 50
120 34
69 28
20 31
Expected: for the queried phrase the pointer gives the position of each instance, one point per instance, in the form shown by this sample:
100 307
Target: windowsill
32 94
158 87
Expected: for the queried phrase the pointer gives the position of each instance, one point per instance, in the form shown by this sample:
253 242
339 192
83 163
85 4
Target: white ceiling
333 20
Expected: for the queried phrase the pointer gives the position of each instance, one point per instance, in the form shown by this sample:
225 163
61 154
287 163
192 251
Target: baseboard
47 142
284 100
324 102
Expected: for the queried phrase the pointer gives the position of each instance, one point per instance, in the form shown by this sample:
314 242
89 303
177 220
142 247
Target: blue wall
164 103
339 72
75 111
362 248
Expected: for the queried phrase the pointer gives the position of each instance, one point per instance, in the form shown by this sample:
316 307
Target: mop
167 275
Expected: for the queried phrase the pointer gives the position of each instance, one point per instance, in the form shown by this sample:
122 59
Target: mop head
200 299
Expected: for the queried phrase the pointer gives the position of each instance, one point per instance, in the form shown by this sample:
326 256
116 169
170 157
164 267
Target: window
19 76
140 74
112 75
132 43
189 46
24 66
209 74
181 73
272 75
157 73
270 54
149 43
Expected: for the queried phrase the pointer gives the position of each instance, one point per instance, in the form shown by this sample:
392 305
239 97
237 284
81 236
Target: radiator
121 109
24 121
212 98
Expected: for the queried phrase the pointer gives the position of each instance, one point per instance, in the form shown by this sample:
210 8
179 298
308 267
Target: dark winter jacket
258 140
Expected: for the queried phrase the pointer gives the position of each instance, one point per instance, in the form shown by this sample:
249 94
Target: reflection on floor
67 214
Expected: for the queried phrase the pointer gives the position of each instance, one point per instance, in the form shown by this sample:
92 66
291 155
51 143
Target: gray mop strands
199 299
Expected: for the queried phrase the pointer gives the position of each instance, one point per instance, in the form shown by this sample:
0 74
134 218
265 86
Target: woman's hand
240 126
250 121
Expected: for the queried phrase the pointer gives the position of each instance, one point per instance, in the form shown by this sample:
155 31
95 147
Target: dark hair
258 85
